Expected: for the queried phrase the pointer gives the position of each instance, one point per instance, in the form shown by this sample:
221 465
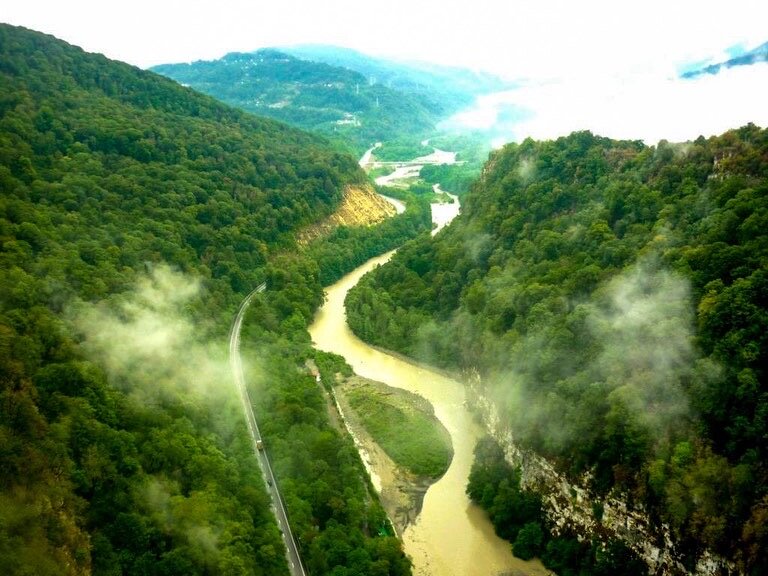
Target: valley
545 357
450 535
543 317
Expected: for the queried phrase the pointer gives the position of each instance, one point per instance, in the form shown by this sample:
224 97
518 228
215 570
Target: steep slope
135 214
360 206
328 99
612 299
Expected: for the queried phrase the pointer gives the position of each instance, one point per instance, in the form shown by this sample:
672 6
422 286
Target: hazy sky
609 56
521 38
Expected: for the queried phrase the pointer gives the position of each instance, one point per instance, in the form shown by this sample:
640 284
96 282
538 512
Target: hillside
360 206
331 100
453 88
612 299
135 216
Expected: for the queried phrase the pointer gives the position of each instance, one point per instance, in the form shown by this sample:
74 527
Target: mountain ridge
135 216
754 56
334 101
604 294
458 86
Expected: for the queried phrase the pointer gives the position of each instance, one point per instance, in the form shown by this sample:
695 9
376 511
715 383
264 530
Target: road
366 159
236 363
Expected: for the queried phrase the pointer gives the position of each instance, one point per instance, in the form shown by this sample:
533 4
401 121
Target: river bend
452 536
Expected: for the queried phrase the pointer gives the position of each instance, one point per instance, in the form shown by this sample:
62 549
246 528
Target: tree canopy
135 215
618 290
337 102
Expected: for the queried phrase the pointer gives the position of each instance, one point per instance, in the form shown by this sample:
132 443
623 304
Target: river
444 212
451 536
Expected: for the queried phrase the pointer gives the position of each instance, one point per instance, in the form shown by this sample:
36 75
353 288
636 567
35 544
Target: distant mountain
453 87
759 54
335 101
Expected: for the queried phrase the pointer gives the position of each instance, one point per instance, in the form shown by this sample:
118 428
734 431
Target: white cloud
531 38
602 65
647 107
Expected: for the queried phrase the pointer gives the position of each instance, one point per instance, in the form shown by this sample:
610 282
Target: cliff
570 506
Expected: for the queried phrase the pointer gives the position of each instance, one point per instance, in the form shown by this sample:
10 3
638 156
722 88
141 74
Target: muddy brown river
451 536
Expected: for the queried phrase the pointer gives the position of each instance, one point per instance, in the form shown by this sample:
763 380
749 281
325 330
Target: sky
588 48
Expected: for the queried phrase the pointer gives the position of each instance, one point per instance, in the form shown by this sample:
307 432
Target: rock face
361 206
569 505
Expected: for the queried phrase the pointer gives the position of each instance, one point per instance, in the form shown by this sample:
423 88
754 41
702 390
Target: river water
451 536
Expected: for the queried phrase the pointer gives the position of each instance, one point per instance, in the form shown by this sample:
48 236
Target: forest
611 296
337 102
619 291
453 88
135 215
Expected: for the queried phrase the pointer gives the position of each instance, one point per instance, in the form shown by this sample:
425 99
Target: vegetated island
409 448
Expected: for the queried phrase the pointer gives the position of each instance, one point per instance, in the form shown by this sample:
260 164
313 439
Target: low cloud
648 106
645 333
152 349
148 343
630 348
192 518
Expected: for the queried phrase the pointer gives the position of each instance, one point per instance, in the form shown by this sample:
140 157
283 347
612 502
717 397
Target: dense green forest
612 297
135 215
453 88
337 102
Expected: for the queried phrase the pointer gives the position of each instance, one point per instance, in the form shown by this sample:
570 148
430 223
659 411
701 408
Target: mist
648 106
153 350
148 344
627 354
645 333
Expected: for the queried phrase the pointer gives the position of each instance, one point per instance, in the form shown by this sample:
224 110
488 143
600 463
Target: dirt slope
361 206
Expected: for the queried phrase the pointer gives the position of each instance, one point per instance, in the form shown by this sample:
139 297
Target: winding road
236 363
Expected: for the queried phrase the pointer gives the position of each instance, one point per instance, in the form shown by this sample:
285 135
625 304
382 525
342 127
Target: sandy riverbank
401 493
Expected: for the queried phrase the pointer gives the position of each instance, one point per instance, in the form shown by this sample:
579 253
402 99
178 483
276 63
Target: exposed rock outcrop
569 505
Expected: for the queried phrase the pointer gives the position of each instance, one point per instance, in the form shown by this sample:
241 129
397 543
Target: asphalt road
235 361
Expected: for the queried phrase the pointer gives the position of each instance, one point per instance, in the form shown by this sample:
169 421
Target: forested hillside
135 215
613 297
453 88
337 102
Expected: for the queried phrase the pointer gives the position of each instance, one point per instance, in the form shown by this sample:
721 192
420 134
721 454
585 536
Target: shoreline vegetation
574 254
403 424
610 295
402 480
135 217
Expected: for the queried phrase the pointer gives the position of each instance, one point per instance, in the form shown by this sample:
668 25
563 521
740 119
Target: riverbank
401 492
451 536
360 206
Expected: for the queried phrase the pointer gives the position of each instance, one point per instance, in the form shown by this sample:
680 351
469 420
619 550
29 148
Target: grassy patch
374 173
404 425
401 151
